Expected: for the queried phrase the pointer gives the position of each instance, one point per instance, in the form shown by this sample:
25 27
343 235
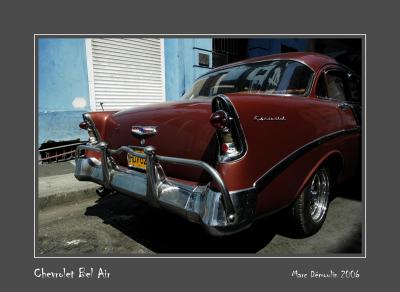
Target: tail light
219 119
87 124
83 125
230 136
229 148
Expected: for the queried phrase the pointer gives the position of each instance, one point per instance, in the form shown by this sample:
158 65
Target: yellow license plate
136 162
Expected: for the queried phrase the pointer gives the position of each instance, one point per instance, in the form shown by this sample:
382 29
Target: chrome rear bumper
221 212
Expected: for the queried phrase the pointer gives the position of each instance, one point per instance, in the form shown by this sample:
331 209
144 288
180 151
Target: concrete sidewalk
57 185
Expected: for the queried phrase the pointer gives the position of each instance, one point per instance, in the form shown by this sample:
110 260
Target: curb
66 197
60 189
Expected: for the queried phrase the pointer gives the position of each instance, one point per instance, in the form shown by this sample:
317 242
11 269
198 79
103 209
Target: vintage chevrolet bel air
248 139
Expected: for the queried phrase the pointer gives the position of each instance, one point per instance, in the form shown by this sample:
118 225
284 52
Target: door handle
344 106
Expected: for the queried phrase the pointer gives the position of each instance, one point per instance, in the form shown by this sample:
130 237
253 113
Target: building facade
79 75
76 75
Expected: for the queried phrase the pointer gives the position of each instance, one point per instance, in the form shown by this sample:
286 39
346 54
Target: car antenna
101 104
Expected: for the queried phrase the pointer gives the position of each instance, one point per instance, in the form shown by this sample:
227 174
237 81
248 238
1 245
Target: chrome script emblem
143 132
269 118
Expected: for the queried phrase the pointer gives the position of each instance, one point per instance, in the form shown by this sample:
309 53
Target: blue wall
180 64
62 74
260 47
62 79
63 91
63 84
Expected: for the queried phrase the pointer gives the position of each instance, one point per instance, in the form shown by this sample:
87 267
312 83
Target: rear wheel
310 208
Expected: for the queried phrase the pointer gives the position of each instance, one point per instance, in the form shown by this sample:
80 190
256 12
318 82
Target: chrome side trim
278 168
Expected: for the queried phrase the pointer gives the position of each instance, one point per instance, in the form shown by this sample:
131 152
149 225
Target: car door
341 87
338 86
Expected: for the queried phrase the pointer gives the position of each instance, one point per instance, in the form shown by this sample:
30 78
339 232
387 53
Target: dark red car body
286 138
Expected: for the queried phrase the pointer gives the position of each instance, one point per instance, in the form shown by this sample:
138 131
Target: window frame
347 92
350 75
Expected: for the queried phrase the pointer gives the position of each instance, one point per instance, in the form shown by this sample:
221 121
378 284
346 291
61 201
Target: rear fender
97 122
333 158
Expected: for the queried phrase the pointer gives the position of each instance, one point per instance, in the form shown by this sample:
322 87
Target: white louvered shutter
125 73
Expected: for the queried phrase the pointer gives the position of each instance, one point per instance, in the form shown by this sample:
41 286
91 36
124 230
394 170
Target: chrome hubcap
319 195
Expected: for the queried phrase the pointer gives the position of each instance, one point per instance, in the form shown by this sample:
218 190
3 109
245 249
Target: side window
321 87
354 88
336 85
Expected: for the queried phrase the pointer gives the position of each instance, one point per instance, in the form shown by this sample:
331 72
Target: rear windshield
278 77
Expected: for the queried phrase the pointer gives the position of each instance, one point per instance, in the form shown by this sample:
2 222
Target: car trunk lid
183 130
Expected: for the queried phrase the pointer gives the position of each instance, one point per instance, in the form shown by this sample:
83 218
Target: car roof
313 60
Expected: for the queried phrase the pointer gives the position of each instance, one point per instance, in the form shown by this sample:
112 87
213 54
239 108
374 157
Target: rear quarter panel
269 142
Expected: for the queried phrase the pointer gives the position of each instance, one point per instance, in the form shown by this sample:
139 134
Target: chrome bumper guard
220 212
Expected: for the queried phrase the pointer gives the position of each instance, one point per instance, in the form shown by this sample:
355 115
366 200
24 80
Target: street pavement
57 185
118 225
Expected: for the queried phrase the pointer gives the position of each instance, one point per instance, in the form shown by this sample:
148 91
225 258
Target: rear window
278 77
